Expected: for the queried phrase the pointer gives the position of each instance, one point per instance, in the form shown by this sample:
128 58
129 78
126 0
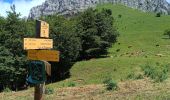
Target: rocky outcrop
71 7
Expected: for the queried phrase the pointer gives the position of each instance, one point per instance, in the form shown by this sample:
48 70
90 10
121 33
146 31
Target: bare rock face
71 7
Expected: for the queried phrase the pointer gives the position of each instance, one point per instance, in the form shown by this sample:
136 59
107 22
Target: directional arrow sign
46 55
42 29
35 43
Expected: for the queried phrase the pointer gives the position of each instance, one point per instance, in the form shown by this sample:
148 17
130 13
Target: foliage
119 16
96 32
157 72
71 84
7 90
158 14
167 32
141 35
107 79
110 84
88 35
49 90
12 56
134 76
66 41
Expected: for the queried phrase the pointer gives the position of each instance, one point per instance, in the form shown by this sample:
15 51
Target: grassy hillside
141 41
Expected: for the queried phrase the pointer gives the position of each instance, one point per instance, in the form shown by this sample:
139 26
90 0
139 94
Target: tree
106 29
66 41
13 60
87 31
96 32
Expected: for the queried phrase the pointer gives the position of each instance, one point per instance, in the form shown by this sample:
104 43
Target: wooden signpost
39 53
34 43
46 55
42 29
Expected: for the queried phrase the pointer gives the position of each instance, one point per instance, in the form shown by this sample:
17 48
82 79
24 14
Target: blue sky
22 6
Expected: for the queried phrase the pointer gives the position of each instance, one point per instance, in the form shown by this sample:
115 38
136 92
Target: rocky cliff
70 7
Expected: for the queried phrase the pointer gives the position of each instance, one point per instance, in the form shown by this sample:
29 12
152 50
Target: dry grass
128 90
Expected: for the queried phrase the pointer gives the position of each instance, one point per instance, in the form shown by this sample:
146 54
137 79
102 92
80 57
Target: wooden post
39 92
40 88
36 51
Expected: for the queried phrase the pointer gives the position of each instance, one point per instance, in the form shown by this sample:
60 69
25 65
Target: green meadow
141 42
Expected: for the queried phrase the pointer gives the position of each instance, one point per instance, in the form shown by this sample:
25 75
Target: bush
158 73
110 84
107 80
71 84
119 16
7 90
167 32
49 91
158 14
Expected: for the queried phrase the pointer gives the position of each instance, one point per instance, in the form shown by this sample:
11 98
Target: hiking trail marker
42 29
46 55
35 43
39 54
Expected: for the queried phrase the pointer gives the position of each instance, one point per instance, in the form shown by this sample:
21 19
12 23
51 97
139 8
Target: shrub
167 32
119 16
158 14
7 90
107 79
71 84
110 84
117 50
158 73
49 91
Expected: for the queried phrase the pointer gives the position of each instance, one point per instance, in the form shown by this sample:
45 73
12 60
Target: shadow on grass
166 38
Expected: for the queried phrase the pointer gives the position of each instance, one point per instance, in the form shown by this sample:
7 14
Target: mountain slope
70 7
140 33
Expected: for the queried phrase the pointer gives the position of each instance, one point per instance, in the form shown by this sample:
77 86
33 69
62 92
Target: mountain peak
71 7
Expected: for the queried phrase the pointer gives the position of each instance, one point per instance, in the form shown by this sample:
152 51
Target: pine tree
13 60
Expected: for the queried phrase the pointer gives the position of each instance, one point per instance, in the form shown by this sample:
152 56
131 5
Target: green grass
142 31
139 31
139 34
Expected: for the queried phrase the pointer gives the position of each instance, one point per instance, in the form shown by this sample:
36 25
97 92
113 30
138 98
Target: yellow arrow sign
42 29
35 43
46 55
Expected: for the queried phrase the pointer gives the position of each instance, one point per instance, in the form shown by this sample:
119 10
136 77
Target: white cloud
22 6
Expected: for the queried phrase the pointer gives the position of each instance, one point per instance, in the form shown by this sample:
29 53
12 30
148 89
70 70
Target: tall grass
157 72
